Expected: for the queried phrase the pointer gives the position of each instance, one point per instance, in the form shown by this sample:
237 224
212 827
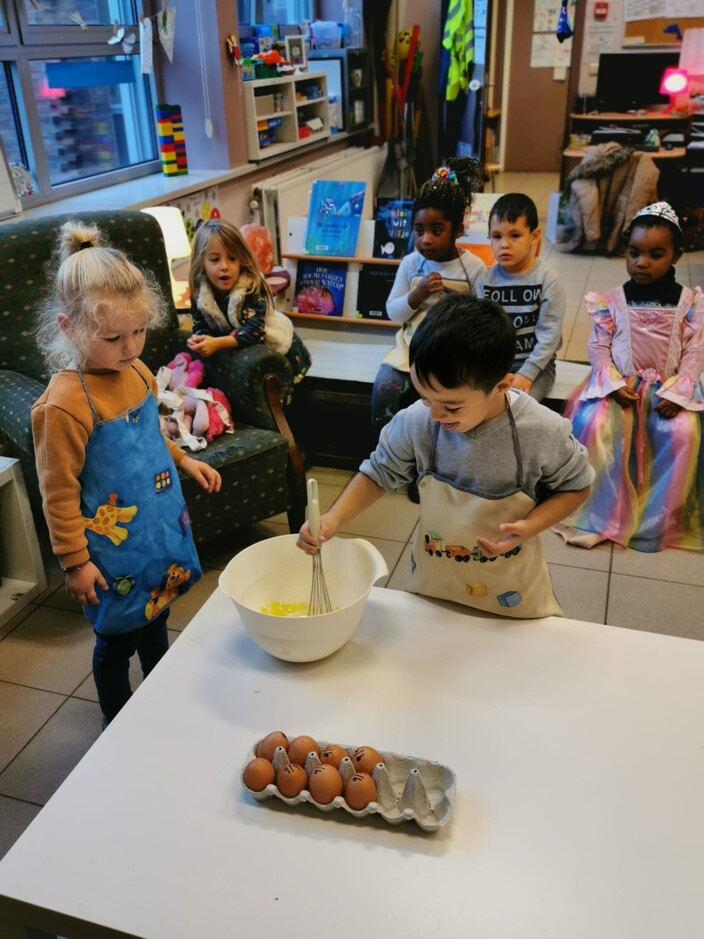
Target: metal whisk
319 598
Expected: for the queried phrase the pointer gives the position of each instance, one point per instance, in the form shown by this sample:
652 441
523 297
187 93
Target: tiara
659 210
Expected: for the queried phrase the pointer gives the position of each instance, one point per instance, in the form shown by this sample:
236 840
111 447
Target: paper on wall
167 29
683 8
643 9
546 14
547 52
146 52
601 38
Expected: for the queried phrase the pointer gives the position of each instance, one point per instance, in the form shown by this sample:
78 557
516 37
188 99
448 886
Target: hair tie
444 172
85 244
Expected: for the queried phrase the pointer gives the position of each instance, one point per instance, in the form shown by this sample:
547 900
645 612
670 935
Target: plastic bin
326 34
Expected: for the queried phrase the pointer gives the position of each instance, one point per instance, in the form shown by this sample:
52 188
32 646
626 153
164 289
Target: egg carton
409 788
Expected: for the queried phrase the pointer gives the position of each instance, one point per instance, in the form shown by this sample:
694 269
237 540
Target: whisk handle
313 508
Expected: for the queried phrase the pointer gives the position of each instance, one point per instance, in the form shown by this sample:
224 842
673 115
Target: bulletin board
651 32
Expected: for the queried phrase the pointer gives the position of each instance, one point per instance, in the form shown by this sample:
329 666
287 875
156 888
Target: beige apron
448 564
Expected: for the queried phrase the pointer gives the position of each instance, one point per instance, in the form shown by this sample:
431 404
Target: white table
579 753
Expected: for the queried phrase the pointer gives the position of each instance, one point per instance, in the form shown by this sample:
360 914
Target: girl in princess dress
640 410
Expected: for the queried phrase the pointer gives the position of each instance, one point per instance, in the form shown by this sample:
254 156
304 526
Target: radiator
288 193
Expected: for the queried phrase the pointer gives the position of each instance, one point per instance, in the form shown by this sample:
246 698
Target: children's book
334 217
320 288
375 283
393 228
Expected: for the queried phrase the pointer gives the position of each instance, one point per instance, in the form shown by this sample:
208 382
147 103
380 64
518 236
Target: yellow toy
403 44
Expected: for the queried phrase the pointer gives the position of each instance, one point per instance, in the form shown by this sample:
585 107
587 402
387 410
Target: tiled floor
49 715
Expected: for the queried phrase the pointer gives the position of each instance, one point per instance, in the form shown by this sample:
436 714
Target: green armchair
261 464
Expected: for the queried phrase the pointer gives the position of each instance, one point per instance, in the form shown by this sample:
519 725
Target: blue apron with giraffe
136 521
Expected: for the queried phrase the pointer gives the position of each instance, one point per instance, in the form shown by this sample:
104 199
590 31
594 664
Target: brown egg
360 791
332 754
324 784
364 759
291 780
300 747
266 747
258 773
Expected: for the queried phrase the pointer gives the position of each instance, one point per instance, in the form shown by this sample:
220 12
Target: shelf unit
291 94
22 575
357 107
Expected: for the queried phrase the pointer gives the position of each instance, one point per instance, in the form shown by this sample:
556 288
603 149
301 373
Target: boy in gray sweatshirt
529 291
494 467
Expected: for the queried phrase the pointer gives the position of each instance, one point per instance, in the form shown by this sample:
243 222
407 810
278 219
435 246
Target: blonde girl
112 499
231 302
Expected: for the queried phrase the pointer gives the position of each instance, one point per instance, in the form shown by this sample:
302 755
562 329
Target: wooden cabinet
285 113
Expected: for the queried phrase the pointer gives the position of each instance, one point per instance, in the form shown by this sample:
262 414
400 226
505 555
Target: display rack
278 112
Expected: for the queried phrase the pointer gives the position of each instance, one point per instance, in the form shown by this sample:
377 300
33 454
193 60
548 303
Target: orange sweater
62 424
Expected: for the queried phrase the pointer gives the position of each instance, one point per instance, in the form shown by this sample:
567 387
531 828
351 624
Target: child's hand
80 584
307 543
625 396
521 382
208 477
668 409
431 283
512 534
207 345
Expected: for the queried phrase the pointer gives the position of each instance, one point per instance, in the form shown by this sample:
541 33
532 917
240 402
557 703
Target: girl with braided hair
434 268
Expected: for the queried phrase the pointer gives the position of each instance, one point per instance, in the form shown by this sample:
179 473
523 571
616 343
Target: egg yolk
277 608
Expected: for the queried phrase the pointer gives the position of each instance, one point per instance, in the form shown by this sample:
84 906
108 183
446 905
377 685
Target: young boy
527 289
494 467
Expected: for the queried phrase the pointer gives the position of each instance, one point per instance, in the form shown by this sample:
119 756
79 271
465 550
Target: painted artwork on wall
198 207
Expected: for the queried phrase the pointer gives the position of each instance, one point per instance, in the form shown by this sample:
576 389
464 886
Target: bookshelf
277 112
293 254
355 80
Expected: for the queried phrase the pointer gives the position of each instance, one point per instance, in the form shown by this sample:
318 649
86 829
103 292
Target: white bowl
276 571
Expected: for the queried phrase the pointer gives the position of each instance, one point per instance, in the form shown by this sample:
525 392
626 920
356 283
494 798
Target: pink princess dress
649 483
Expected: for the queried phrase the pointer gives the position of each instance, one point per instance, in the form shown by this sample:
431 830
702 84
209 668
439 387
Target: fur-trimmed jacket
606 190
246 313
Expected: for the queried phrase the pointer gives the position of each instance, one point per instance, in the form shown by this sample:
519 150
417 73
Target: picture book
334 217
375 283
320 288
393 228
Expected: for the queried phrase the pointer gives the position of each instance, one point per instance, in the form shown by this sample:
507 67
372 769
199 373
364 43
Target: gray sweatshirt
483 459
535 302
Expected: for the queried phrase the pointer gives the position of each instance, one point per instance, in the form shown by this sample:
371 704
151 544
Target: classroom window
57 12
14 150
94 116
275 11
74 110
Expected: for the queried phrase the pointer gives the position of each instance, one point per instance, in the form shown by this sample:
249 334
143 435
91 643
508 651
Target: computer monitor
630 81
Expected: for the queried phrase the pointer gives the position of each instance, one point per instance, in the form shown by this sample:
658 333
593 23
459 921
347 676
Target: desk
578 749
676 153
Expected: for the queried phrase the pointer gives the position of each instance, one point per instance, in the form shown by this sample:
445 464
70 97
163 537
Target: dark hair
656 221
450 196
512 206
463 341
